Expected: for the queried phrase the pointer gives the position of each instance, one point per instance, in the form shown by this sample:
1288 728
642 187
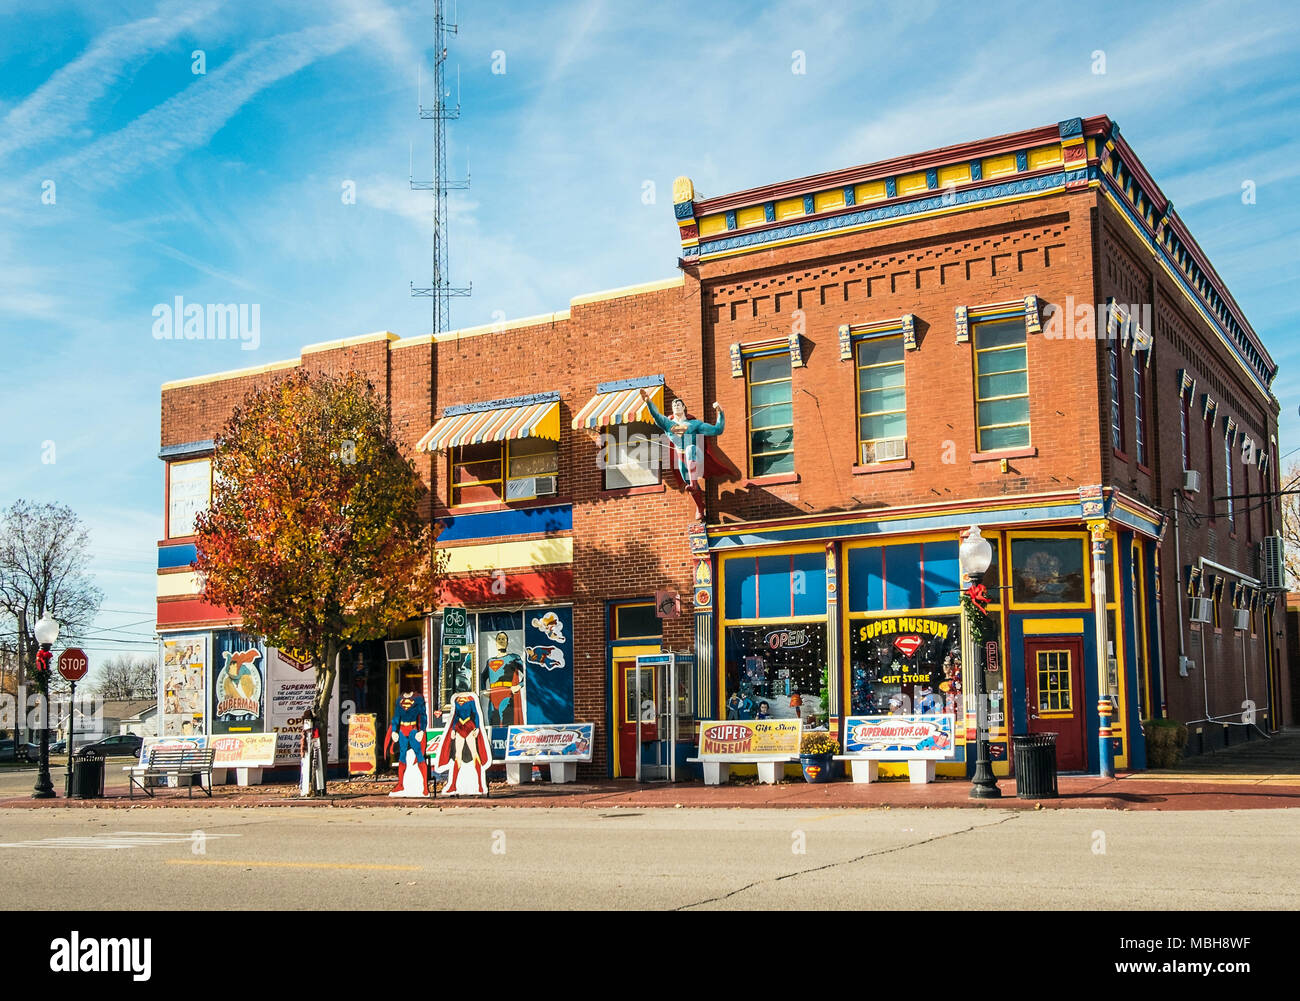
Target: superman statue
463 749
407 734
690 454
502 679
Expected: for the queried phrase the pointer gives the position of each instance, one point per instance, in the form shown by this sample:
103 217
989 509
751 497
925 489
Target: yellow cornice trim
411 342
348 342
496 328
238 373
677 281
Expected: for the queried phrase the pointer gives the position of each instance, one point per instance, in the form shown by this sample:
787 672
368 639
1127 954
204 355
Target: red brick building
1017 333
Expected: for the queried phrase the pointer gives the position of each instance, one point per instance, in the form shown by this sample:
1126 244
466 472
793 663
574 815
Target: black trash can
87 776
1035 761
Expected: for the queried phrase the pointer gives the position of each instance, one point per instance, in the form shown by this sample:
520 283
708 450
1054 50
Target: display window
906 664
1050 570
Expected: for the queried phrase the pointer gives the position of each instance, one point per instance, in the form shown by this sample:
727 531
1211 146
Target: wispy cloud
67 97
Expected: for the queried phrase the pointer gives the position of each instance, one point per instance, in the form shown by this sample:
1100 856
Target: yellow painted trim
997 166
791 241
1082 536
751 215
910 184
956 173
177 585
658 285
824 201
1119 722
350 342
411 342
1053 627
871 191
237 373
502 555
1045 156
786 208
712 224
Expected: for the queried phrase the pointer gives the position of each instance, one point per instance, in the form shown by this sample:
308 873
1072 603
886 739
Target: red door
626 712
1054 682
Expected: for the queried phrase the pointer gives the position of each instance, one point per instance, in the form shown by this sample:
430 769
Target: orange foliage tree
314 535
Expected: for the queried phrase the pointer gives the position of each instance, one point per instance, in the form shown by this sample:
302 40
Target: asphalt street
282 857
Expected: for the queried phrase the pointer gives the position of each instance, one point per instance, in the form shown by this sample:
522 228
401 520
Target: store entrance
1054 684
631 704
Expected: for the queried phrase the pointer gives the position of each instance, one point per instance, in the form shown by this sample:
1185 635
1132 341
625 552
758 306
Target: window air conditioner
397 650
1274 559
1241 618
883 450
1192 481
1202 610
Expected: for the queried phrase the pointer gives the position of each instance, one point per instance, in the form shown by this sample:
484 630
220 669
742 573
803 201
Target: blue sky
227 186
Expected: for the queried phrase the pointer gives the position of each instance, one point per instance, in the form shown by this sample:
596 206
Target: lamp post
975 556
47 632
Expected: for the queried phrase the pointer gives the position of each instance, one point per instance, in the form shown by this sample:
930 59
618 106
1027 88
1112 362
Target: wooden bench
177 763
920 771
717 768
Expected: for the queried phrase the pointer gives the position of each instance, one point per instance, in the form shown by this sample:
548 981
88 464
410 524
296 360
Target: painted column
834 668
703 580
1104 706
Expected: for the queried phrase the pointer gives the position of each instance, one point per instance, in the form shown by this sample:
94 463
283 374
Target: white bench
920 771
717 769
519 770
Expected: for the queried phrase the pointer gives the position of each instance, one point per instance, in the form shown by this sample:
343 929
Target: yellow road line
294 865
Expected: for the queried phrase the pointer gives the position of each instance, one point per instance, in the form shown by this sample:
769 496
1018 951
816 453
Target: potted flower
816 752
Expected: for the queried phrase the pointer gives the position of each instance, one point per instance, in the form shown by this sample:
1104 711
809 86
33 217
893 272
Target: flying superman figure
690 454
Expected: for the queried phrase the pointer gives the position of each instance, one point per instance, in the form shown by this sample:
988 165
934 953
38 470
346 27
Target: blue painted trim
1022 161
684 210
1070 127
513 401
731 219
849 197
866 335
769 211
188 450
898 211
809 204
891 188
921 523
171 557
932 178
1008 314
977 170
640 382
516 521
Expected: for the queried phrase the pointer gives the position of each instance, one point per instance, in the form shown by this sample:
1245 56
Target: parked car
26 752
118 744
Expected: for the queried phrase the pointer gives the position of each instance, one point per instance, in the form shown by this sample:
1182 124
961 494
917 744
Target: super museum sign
756 736
927 736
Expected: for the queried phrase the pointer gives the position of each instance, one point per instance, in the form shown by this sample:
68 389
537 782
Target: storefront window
777 671
905 664
1049 571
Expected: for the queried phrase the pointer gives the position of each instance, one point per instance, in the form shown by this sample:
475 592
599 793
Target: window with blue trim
775 587
905 576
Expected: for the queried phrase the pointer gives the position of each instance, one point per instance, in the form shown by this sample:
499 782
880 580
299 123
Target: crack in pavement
848 861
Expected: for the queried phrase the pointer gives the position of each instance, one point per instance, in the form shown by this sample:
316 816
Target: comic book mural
905 664
184 667
502 680
238 685
548 663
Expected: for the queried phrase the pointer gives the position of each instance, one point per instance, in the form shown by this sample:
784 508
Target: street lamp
47 632
975 555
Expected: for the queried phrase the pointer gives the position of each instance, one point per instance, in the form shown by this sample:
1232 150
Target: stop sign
73 664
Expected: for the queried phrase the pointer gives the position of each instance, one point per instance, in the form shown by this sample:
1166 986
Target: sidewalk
1262 774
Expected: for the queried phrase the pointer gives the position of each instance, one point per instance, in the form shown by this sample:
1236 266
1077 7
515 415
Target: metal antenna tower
441 290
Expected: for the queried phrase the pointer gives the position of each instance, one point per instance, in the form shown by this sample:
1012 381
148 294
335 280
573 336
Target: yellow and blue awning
500 420
620 403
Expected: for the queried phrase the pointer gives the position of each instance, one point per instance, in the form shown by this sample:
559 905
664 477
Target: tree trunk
325 675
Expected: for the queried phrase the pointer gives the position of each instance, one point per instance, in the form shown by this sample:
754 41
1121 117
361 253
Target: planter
816 767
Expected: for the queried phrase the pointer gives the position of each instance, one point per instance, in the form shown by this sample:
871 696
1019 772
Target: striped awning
502 420
620 403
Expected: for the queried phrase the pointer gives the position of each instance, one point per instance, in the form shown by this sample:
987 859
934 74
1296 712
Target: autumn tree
126 676
314 535
1291 524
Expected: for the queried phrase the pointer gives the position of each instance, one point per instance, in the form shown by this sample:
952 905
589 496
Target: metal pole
44 786
636 711
983 784
672 717
72 731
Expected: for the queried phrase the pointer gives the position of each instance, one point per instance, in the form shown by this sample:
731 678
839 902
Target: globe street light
47 632
975 556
